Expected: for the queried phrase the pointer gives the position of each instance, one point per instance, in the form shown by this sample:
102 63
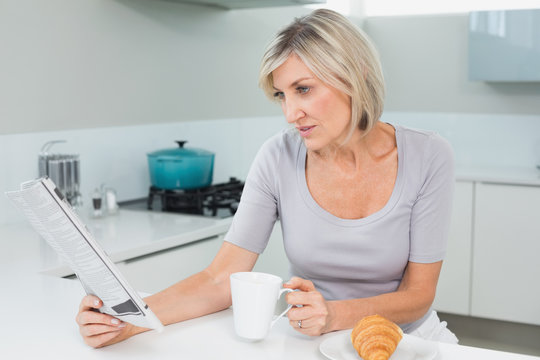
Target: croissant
376 338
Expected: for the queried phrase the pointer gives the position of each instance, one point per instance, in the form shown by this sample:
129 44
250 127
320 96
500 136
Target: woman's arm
203 293
408 303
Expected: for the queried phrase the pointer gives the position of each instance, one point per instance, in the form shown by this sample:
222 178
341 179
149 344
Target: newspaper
54 219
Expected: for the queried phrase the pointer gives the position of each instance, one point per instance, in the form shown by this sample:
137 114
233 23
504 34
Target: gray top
350 258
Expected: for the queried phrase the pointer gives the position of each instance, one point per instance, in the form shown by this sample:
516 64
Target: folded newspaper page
54 219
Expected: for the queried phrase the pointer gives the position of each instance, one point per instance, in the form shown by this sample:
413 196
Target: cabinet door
506 251
157 271
453 289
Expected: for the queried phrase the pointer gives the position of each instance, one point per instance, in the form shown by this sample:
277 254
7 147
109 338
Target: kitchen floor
493 334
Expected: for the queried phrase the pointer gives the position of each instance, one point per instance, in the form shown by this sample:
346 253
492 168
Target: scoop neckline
327 216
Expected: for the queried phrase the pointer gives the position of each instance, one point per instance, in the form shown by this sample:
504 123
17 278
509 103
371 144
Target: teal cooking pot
181 168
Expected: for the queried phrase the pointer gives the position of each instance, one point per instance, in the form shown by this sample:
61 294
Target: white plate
339 347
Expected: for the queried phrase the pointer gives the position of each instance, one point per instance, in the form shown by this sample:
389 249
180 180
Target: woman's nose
292 111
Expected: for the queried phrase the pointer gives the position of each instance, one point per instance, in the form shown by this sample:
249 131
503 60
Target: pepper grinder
97 203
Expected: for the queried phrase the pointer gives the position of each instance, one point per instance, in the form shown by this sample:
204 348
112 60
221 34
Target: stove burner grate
202 201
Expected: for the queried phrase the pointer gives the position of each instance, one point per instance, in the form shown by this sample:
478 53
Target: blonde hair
339 54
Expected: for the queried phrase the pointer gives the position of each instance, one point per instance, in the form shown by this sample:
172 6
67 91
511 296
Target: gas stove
217 200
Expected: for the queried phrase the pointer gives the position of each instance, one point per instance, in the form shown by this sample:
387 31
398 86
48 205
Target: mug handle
281 292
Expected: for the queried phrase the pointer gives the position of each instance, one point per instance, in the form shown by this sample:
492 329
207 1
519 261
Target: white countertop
39 323
126 235
499 175
38 310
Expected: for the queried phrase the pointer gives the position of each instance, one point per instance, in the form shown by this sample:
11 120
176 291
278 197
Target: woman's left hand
310 313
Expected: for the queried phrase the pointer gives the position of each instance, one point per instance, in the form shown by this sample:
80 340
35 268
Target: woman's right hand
99 329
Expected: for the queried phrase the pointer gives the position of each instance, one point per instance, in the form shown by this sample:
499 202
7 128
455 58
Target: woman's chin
312 144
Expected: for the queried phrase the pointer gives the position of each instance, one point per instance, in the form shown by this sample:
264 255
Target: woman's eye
279 95
302 89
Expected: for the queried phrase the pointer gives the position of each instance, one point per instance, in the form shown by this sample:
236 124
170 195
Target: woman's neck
360 148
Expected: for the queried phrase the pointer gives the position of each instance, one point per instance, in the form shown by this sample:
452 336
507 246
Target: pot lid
181 151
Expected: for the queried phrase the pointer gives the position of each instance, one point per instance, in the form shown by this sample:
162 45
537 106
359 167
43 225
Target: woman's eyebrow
296 82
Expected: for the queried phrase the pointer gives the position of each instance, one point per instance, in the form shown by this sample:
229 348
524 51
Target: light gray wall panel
425 64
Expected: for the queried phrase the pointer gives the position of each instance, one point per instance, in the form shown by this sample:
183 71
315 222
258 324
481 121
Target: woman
364 205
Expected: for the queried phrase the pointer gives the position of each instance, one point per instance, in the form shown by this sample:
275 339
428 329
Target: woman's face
320 113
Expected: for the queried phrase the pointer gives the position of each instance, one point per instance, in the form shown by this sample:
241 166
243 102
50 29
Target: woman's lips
305 130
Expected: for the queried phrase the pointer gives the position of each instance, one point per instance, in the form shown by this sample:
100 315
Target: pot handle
181 143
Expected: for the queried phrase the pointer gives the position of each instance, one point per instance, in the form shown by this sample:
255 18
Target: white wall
481 140
69 64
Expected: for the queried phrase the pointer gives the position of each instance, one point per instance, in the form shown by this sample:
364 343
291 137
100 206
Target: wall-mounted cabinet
504 45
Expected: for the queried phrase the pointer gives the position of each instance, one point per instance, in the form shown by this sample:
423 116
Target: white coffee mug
254 298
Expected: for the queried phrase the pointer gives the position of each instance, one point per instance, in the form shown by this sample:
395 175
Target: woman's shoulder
425 153
285 141
275 157
279 150
284 137
428 142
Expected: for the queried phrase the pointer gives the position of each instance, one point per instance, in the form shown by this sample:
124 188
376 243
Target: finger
296 325
98 329
299 313
101 340
93 317
90 302
309 327
304 298
298 283
306 324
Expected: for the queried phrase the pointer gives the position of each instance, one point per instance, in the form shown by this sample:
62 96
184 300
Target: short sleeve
431 212
257 212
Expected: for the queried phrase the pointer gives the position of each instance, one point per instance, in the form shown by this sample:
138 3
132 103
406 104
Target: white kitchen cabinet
453 289
506 250
273 260
154 272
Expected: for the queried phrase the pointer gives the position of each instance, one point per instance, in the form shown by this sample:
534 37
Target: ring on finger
299 324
